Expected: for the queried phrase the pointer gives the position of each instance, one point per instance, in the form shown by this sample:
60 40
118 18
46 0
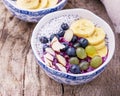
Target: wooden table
21 76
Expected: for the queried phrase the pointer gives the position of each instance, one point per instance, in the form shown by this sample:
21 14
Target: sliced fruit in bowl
27 4
102 52
80 54
68 35
82 27
97 37
100 45
57 46
51 3
36 4
81 45
33 10
61 59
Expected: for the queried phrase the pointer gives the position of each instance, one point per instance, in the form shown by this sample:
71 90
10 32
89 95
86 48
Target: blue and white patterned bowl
31 15
50 24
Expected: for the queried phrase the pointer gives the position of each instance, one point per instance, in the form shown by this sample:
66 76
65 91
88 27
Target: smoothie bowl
73 46
33 10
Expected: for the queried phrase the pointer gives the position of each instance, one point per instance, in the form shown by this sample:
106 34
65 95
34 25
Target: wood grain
21 76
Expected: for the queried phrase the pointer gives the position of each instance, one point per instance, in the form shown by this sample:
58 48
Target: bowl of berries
33 10
73 46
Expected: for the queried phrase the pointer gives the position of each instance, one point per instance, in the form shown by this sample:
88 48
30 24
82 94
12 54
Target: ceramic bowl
31 15
50 24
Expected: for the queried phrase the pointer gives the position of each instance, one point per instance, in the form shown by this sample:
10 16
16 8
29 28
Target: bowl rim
60 3
62 11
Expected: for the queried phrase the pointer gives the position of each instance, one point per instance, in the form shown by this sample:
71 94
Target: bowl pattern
31 16
69 79
51 24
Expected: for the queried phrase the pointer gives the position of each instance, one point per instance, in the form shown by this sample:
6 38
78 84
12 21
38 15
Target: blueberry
75 69
43 39
53 35
44 47
66 47
61 33
64 26
71 52
83 42
74 39
84 65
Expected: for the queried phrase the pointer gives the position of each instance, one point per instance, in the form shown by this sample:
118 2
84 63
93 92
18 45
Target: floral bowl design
31 15
50 23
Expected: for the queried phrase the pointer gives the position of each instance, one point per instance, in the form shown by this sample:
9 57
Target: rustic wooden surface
21 76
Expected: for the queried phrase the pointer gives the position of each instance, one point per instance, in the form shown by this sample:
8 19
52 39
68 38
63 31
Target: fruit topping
54 39
71 52
47 62
36 4
83 42
49 56
96 61
82 28
45 46
68 35
74 39
81 53
31 4
50 51
57 46
100 45
61 67
75 69
43 39
91 51
61 59
77 50
74 60
102 52
84 65
53 35
65 48
42 4
61 33
51 3
97 37
64 26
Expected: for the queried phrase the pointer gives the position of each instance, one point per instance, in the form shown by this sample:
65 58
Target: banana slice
102 52
100 45
52 3
27 4
82 28
97 37
42 4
